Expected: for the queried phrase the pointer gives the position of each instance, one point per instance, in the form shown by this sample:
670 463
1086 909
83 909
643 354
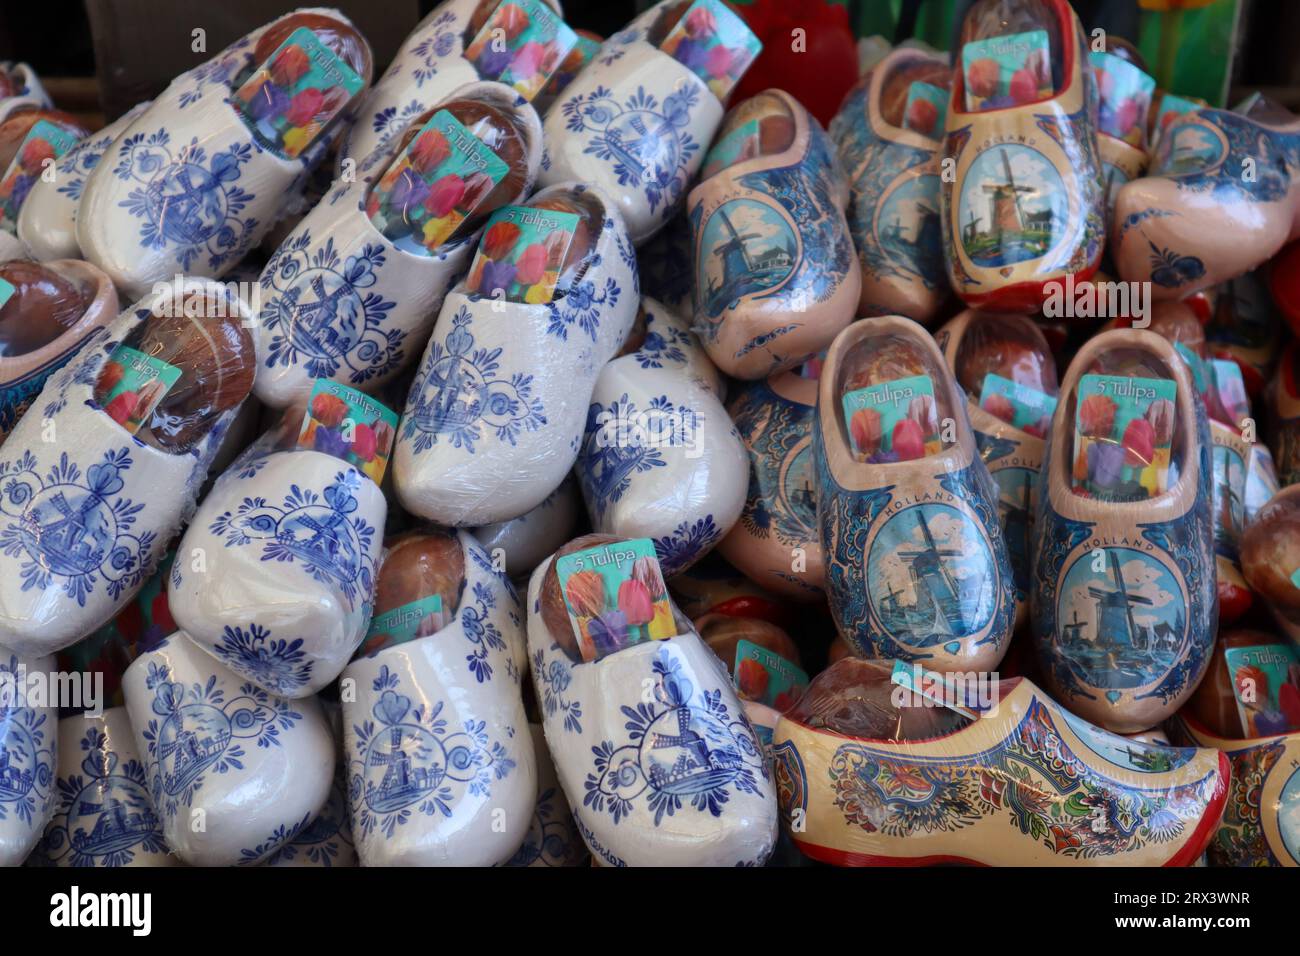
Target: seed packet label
1123 431
521 252
926 109
765 676
291 98
893 421
350 425
44 143
6 291
1196 365
615 596
1007 70
939 689
522 43
1295 577
1230 402
741 135
1020 405
442 176
582 53
1264 683
138 382
404 623
1125 97
1172 107
714 43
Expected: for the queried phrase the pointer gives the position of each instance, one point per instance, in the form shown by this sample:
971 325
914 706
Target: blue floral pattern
686 544
280 666
26 758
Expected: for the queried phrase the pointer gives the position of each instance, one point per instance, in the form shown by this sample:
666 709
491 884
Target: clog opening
419 589
858 698
904 105
665 20
1005 367
201 344
763 125
994 75
724 632
44 305
338 36
1270 554
894 400
1130 435
1251 688
418 191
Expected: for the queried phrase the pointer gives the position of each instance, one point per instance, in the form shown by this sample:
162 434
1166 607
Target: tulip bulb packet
350 425
521 253
741 136
1226 397
404 623
615 596
893 421
926 109
1125 98
766 677
1170 110
1018 405
521 45
131 386
1266 686
713 42
583 52
1007 70
44 143
292 97
1124 427
443 175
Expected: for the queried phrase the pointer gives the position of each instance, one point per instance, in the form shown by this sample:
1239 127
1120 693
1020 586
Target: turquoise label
615 596
926 109
6 291
132 385
765 676
1007 70
1124 427
1264 683
404 623
893 421
350 425
521 252
1125 97
522 43
44 143
1020 405
713 42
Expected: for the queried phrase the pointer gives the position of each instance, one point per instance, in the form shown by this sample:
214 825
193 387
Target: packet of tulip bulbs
926 109
291 97
349 424
1125 97
713 42
1007 70
403 623
615 596
1263 680
765 676
44 141
442 176
583 52
893 421
1227 400
521 253
1123 431
741 136
1023 406
522 43
132 384
1171 108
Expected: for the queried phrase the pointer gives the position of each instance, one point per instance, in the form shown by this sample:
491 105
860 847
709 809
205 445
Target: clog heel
1123 602
775 275
917 567
1005 368
889 141
1196 220
1024 208
866 778
684 781
29 747
348 300
189 186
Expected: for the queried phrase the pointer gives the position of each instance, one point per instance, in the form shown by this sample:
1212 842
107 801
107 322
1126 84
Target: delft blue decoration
583 302
776 432
279 665
321 841
318 530
80 163
217 74
550 839
187 200
410 760
680 548
620 441
26 758
199 731
391 121
646 141
1100 653
685 748
459 395
437 45
283 834
72 530
480 630
319 315
554 679
107 815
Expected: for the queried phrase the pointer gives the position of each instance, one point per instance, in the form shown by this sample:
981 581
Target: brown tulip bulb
418 566
555 613
339 36
1270 553
42 307
855 697
722 632
1007 345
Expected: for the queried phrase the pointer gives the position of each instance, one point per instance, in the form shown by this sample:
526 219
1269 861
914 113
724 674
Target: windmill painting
745 247
1121 618
1013 206
907 225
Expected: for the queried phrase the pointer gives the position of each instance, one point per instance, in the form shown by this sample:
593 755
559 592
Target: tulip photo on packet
521 45
615 596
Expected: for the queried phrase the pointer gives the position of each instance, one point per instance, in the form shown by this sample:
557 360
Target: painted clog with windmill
352 293
1124 606
1024 208
651 745
917 566
1221 198
1005 368
889 136
660 456
199 177
873 774
775 274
